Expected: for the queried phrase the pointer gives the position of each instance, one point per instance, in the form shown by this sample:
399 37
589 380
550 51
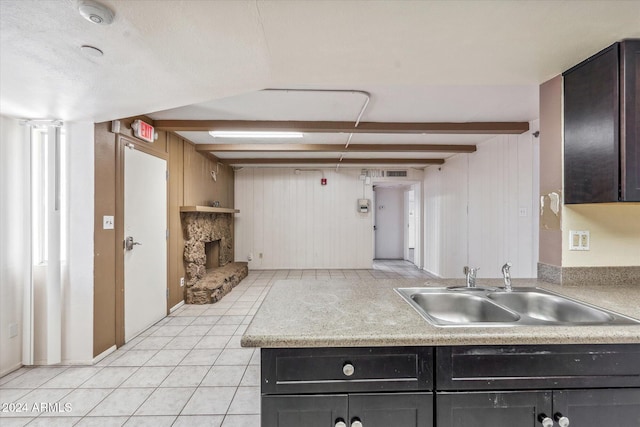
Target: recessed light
91 51
95 12
254 134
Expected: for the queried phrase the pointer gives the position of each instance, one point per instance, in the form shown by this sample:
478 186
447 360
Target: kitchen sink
457 307
491 307
550 308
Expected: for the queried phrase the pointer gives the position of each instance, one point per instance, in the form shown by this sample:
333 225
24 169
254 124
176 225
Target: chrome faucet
470 274
506 274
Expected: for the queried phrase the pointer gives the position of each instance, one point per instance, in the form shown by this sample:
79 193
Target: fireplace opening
212 254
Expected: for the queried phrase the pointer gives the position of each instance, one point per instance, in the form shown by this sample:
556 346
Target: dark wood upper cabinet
602 126
630 121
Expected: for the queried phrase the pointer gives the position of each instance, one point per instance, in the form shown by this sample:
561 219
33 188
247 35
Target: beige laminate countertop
357 313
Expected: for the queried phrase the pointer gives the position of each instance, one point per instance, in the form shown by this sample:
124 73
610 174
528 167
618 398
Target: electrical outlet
250 257
584 240
522 212
579 240
13 330
182 281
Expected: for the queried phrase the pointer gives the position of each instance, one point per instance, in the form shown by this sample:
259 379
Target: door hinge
167 175
167 293
166 234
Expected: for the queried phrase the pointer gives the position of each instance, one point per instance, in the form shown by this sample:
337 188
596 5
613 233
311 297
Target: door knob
129 243
545 421
562 420
356 422
340 423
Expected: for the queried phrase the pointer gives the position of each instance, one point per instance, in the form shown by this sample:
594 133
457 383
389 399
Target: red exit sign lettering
143 130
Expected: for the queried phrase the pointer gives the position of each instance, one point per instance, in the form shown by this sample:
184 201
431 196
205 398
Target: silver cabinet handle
545 421
348 369
340 423
356 423
561 419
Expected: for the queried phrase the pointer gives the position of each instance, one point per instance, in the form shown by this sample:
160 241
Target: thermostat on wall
363 205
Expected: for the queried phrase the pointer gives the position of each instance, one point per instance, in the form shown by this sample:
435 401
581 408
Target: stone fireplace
212 254
208 256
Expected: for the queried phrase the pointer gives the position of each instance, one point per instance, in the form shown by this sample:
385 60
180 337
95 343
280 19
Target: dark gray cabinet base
584 408
597 408
373 410
310 411
498 386
491 408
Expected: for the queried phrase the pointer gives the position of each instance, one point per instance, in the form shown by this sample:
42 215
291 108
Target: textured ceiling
432 60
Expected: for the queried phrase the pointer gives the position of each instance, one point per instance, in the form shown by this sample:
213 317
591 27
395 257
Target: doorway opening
397 225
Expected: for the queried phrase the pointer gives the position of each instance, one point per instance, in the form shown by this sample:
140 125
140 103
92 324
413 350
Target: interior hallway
187 370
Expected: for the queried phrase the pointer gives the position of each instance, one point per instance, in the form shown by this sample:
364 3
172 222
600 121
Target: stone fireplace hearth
208 255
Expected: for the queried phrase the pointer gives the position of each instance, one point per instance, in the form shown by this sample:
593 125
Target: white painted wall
493 184
297 223
14 240
77 283
446 235
76 305
389 222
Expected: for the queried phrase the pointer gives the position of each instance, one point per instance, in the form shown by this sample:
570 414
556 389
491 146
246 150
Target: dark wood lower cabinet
372 410
582 408
309 411
496 409
497 386
597 408
397 409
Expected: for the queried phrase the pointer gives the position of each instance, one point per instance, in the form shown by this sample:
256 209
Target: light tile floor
187 370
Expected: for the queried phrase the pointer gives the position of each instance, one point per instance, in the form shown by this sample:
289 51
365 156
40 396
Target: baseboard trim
177 306
104 354
431 272
10 369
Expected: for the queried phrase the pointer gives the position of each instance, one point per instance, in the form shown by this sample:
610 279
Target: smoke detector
95 12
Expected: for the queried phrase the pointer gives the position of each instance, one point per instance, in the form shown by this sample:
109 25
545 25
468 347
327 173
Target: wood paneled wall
189 183
199 187
481 210
295 222
445 201
104 261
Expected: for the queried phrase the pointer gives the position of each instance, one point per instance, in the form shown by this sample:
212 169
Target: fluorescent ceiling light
253 134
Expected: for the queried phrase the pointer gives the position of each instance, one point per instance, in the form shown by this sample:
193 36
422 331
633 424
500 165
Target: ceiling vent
396 174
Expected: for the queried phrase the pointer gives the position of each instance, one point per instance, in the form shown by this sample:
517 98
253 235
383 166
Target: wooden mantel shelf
207 209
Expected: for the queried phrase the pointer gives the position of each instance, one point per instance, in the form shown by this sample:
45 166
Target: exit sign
143 130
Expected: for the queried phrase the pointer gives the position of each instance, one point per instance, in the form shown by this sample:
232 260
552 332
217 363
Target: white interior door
389 220
145 221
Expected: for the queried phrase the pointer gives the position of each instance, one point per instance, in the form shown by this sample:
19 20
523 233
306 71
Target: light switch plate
107 222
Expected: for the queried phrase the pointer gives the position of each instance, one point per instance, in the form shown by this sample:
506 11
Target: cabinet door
630 132
495 409
591 129
597 408
397 410
308 411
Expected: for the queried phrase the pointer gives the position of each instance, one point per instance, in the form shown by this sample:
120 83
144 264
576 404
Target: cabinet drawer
537 367
320 370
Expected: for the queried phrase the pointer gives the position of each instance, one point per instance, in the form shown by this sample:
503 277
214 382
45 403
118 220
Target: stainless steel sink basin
522 307
550 308
446 307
